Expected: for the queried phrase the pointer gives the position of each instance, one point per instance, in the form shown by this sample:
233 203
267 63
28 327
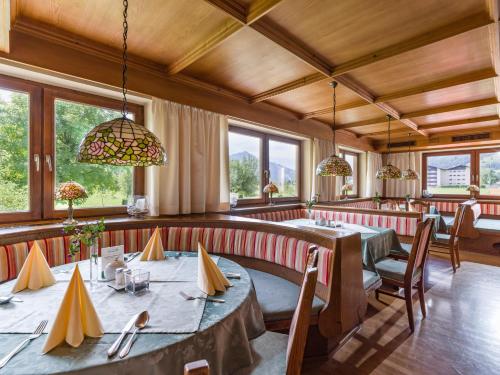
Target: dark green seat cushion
369 279
404 251
269 355
278 297
393 269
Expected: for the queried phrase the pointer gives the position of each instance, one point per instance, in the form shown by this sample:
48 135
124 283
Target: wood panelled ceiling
431 64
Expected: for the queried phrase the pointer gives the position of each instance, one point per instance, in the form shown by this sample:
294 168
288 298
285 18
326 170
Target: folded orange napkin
154 248
76 317
210 277
35 273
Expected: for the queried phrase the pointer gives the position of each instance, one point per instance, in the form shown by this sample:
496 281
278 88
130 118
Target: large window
257 159
449 173
40 131
353 160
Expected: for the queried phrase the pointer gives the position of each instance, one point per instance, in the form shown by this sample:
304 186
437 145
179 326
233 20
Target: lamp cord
389 117
125 58
334 85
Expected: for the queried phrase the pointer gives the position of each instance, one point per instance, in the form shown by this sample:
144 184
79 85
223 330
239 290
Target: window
449 173
256 159
40 131
353 160
489 173
106 185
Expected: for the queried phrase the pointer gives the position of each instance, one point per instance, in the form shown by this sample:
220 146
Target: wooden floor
461 334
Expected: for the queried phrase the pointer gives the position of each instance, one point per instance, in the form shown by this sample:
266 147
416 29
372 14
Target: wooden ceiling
431 64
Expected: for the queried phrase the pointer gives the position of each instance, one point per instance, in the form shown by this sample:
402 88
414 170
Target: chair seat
393 269
269 355
277 296
442 238
369 279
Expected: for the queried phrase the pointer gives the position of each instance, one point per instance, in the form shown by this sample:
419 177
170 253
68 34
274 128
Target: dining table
376 242
179 330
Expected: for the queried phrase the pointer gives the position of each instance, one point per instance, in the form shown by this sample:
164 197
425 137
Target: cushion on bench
277 296
369 279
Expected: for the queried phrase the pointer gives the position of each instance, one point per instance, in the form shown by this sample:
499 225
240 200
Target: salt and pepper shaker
120 277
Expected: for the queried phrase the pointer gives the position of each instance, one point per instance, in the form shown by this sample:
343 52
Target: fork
187 297
34 335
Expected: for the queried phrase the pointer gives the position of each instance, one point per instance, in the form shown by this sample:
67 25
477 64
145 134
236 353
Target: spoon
9 298
140 323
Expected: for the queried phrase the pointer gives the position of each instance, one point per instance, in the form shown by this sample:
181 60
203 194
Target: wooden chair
450 241
275 353
408 274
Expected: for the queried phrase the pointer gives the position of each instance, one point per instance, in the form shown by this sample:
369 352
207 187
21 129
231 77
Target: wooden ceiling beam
425 112
494 42
240 17
304 81
450 108
456 28
442 33
429 87
446 124
4 25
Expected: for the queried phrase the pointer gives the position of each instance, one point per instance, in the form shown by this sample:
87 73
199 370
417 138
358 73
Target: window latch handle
36 159
48 160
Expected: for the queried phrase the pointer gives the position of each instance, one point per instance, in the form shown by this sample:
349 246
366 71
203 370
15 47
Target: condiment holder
136 281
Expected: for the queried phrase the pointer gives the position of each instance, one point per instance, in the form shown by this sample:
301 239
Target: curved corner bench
273 248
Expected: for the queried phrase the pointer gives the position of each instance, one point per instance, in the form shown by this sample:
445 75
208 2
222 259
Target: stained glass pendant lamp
389 171
121 141
333 165
409 174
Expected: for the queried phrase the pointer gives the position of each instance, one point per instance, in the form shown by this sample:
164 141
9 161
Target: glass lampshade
333 166
388 172
121 142
270 188
409 174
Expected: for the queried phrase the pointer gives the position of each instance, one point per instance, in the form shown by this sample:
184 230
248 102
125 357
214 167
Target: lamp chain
409 148
334 85
389 117
125 57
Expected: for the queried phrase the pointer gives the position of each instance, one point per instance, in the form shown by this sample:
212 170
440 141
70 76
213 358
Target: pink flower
153 151
96 148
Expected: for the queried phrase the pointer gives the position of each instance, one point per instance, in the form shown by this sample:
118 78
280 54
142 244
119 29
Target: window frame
264 174
35 132
42 127
49 98
474 171
356 155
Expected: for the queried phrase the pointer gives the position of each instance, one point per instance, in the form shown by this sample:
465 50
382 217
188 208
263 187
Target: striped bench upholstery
405 226
279 249
283 215
486 208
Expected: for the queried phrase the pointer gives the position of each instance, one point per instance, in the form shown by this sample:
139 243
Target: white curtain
196 177
324 186
373 164
400 188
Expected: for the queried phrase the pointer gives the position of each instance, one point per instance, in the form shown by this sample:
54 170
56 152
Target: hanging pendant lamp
333 165
409 174
121 141
389 171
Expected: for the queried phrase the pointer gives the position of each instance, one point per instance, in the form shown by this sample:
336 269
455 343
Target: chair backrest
419 249
457 222
197 368
299 326
312 257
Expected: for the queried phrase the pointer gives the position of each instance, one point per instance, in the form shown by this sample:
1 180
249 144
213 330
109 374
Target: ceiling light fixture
389 171
121 141
409 174
334 165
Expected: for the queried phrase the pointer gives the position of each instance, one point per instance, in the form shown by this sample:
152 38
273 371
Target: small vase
70 220
93 269
310 215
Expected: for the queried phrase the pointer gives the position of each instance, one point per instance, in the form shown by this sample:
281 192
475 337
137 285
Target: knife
116 345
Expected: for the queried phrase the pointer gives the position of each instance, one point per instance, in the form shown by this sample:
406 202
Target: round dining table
222 336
